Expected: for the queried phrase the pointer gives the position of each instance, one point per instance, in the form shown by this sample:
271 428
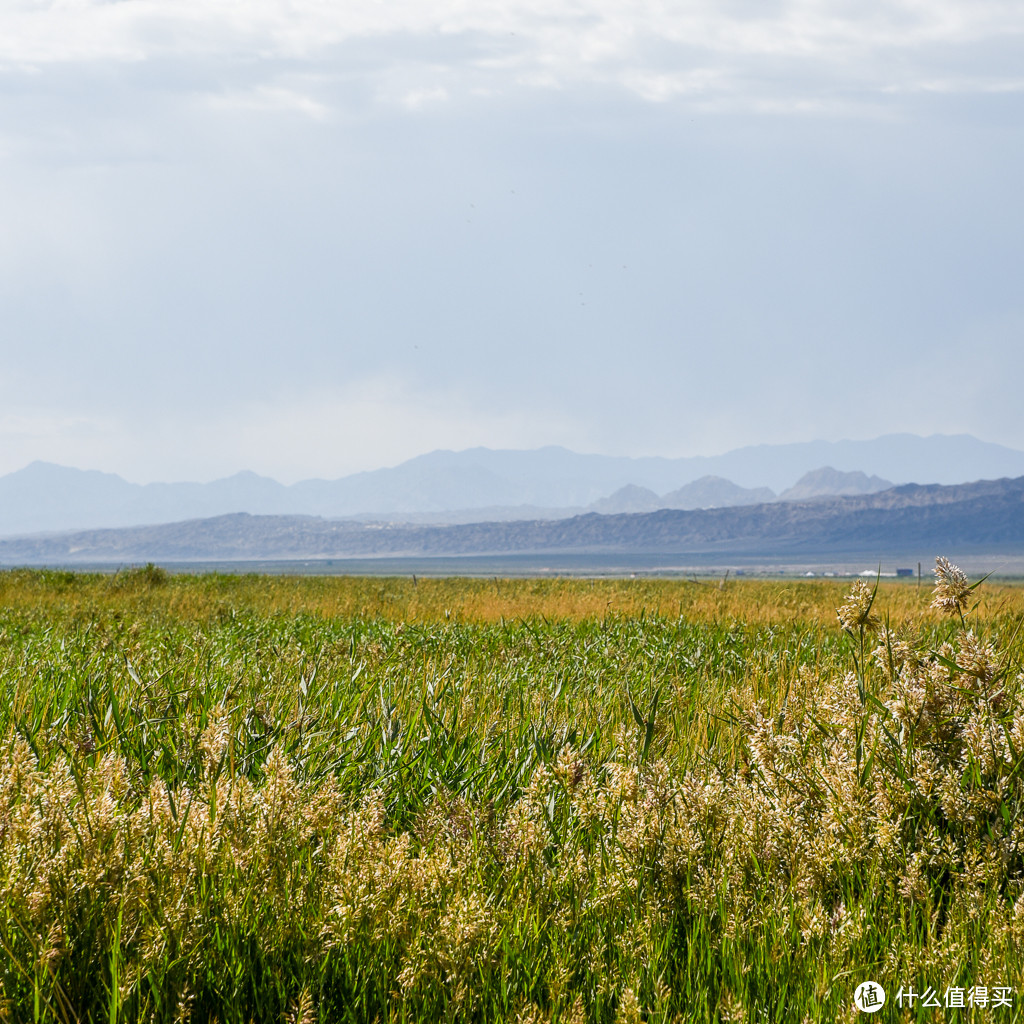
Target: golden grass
400 599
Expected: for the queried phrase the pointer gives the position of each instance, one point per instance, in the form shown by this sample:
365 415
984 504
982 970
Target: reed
320 799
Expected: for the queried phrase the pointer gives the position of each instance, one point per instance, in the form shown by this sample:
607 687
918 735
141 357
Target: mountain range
717 492
482 484
913 519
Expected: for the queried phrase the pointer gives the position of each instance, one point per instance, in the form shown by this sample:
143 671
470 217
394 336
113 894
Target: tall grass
246 798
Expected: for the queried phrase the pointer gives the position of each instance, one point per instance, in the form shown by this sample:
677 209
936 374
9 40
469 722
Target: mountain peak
44 496
829 482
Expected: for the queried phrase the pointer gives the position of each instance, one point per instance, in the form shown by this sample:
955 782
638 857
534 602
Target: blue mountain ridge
519 484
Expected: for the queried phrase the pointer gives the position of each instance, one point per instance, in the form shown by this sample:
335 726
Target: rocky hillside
986 515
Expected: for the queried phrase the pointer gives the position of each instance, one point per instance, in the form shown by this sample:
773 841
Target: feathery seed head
952 591
856 613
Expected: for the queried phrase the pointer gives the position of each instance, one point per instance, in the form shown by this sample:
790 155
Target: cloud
420 97
965 85
211 204
271 98
655 51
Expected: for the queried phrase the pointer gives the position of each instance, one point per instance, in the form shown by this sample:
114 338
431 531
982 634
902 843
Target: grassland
320 799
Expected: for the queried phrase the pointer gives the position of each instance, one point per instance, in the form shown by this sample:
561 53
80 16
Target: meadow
319 799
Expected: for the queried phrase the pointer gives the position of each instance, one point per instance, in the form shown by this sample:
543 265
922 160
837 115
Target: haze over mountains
911 522
717 492
481 484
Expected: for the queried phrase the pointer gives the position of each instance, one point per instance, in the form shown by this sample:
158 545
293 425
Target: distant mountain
983 516
715 492
628 499
45 497
554 477
829 482
903 458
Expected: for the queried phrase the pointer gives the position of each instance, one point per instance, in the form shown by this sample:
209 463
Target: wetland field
316 799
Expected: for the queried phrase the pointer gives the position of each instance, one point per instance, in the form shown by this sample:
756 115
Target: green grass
242 798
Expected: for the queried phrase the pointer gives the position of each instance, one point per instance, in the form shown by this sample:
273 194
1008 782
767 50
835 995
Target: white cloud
418 98
271 98
660 87
654 50
962 85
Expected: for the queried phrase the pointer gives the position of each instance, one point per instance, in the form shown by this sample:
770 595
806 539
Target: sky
308 238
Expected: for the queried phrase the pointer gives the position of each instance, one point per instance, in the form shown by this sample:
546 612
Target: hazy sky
306 237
